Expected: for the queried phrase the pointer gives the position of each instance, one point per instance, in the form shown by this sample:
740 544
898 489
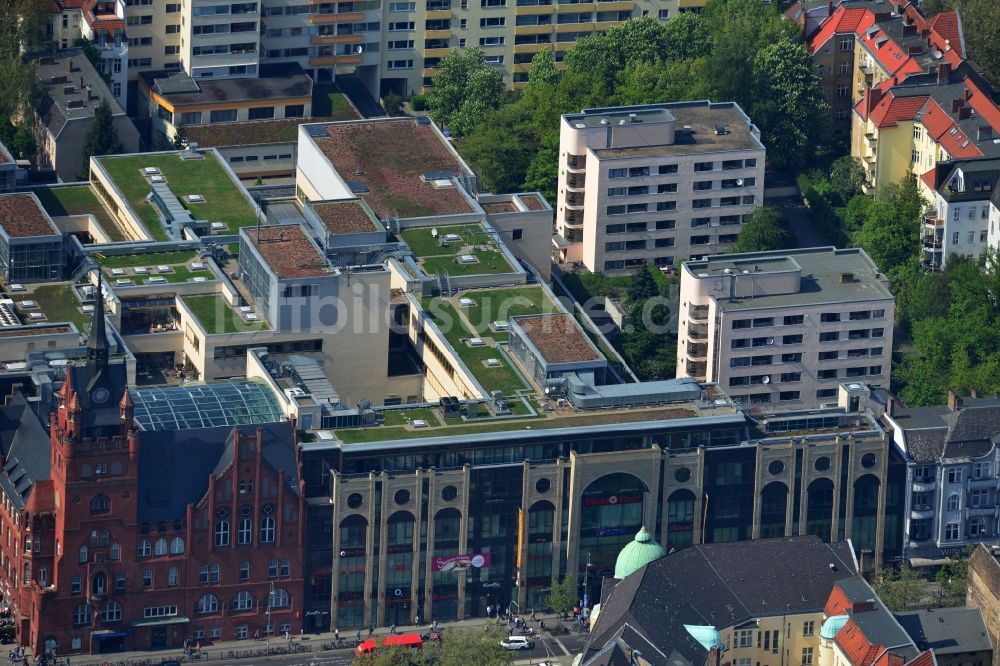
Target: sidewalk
217 651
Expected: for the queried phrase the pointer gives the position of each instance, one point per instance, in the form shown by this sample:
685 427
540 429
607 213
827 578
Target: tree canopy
458 648
465 88
102 137
981 28
766 230
740 50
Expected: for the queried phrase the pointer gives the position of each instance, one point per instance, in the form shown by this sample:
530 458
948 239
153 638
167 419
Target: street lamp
586 586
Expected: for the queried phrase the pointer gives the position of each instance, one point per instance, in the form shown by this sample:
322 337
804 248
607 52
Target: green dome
638 554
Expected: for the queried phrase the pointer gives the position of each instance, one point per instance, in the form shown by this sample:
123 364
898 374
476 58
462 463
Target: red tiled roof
842 21
925 658
948 25
893 59
855 645
891 109
984 106
837 603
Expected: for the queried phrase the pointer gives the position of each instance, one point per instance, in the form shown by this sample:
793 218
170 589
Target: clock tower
99 386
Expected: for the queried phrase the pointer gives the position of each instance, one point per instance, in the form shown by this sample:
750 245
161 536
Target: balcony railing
698 331
573 217
698 311
695 368
697 349
576 161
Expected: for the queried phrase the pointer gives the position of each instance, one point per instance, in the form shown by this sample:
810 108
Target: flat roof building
656 183
785 327
31 247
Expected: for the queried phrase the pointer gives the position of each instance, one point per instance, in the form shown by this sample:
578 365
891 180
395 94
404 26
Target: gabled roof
947 630
25 448
892 110
948 25
973 432
844 20
872 631
710 585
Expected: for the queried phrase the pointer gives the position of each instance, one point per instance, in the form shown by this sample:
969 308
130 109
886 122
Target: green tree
502 147
543 70
847 175
470 646
180 141
564 594
643 82
541 175
900 589
788 104
22 29
766 230
890 232
464 89
981 28
607 54
102 137
393 104
642 287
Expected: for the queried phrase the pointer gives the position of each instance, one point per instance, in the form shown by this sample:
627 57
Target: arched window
100 504
177 546
279 598
144 549
222 533
954 502
160 548
208 604
112 612
43 576
243 601
99 538
82 615
100 583
267 530
245 532
83 554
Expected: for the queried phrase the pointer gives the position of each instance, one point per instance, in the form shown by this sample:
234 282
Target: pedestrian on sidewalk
392 629
336 634
359 635
256 634
371 630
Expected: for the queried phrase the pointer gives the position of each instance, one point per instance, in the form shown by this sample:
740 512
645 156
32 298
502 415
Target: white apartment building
103 23
785 327
659 183
391 45
964 213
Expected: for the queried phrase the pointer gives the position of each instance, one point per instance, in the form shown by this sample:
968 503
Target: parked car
517 643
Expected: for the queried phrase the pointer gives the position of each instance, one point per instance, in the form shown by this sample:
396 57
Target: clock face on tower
100 395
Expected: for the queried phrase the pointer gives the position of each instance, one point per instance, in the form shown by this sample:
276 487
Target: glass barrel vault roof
227 403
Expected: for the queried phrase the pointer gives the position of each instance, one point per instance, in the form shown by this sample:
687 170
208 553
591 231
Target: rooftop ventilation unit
721 129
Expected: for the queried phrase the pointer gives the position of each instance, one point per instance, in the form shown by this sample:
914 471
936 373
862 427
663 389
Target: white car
517 643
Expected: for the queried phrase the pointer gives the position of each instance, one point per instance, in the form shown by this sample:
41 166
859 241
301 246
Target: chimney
846 278
863 606
956 104
829 8
965 113
954 401
968 94
944 73
909 30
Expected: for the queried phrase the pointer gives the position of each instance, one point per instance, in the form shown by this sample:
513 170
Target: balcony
921 513
929 242
531 48
326 19
437 34
698 312
319 61
698 331
574 199
923 485
436 52
574 217
933 221
980 511
576 162
320 40
533 10
575 181
615 6
439 14
697 349
695 368
542 29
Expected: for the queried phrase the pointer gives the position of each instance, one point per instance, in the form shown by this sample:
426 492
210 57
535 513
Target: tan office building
785 327
657 183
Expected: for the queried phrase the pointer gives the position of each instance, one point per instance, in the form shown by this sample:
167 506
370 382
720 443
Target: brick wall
984 592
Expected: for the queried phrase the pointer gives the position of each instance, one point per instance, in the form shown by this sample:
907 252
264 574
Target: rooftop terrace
345 217
289 252
156 267
22 216
217 316
79 200
388 158
450 249
492 305
558 339
224 199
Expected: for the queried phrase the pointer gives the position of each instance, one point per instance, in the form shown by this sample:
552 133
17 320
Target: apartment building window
617 173
400 44
616 210
954 238
878 332
638 190
667 169
858 334
615 265
983 234
614 229
808 628
493 3
663 14
701 203
635 227
701 240
980 497
845 67
729 201
954 502
918 132
825 393
401 26
793 320
857 372
857 353
749 199
664 242
860 315
223 116
402 7
826 374
977 527
739 362
846 44
744 638
492 41
261 113
795 357
638 172
788 395
295 111
493 22
700 185
955 475
614 246
463 24
791 377
666 188
982 470
191 118
875 351
829 336
665 225
666 205
807 656
752 162
704 166
700 222
791 339
972 236
636 208
400 64
915 156
843 90
617 191
952 531
742 323
173 8
493 60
